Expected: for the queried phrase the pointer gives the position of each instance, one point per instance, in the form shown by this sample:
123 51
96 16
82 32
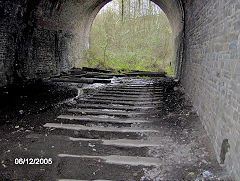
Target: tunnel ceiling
78 15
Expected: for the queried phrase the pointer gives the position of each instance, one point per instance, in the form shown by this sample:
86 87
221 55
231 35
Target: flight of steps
105 136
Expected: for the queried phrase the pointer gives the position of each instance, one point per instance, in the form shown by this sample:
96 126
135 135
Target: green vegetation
137 37
170 70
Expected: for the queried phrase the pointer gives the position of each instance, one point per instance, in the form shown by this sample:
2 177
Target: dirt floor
129 129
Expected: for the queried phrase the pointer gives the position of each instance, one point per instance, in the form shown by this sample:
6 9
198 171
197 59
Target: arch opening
172 9
137 36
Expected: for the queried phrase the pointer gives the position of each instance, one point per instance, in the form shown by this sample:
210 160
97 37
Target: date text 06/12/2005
33 161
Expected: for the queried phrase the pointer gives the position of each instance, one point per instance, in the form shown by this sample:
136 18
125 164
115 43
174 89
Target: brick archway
173 10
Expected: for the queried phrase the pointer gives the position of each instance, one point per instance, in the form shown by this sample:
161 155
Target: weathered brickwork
27 49
3 80
211 72
41 55
62 44
7 55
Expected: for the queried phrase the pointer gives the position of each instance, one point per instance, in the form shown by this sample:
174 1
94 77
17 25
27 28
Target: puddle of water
94 86
206 175
72 100
115 81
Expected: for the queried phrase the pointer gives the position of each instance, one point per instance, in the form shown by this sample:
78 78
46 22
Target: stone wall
28 49
5 47
41 55
211 73
48 54
7 56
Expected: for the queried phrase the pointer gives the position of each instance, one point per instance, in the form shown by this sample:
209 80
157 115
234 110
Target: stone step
139 99
130 103
102 146
133 90
88 69
103 77
149 74
100 168
120 160
130 93
78 127
83 180
81 80
135 86
122 142
116 107
106 120
84 76
105 112
128 96
140 86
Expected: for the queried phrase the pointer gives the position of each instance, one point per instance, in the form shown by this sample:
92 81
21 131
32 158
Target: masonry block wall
30 49
211 73
6 57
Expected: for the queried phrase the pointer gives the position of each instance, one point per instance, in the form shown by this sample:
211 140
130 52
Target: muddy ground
184 150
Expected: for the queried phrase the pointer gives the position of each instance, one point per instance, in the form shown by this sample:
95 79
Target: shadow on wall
224 149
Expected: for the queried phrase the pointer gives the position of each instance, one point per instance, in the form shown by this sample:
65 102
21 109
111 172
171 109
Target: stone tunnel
42 38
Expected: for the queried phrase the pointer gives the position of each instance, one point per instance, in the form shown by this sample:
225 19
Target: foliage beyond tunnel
138 39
